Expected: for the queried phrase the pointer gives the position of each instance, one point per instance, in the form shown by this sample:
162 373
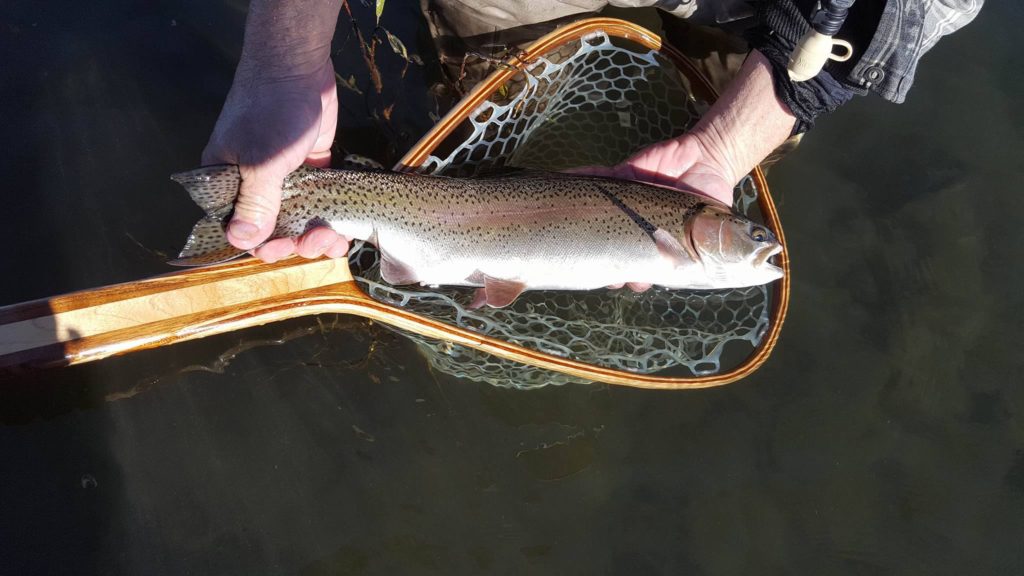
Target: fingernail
242 230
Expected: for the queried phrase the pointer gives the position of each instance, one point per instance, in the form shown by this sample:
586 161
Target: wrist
264 117
746 123
287 39
255 74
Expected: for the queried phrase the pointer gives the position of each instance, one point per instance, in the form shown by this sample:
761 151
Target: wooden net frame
703 89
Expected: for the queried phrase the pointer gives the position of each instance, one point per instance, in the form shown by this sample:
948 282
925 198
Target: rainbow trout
525 231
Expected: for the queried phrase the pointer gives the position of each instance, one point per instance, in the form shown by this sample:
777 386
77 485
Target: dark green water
884 436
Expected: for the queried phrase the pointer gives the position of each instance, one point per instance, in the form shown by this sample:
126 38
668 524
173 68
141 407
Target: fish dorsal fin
497 293
207 244
680 254
211 187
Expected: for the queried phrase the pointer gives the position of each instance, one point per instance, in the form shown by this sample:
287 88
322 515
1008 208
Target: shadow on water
83 137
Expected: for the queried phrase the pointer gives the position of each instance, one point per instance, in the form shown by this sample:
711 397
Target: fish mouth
766 260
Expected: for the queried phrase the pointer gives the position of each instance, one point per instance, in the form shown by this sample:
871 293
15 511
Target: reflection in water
560 458
321 325
326 343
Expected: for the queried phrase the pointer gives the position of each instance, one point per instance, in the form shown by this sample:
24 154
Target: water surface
884 435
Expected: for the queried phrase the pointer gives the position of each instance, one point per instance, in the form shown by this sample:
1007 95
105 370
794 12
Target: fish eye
758 234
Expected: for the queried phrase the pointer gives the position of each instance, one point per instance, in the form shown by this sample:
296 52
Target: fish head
733 250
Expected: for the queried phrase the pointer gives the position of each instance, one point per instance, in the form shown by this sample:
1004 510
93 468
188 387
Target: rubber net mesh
593 101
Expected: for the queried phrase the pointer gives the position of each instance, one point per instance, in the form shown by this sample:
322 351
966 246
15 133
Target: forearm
285 39
746 123
281 111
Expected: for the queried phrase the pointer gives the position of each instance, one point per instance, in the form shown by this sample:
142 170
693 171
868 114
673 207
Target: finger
638 286
276 249
668 160
259 199
339 249
319 159
315 243
320 155
615 286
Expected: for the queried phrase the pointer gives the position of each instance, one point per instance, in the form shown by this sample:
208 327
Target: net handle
701 88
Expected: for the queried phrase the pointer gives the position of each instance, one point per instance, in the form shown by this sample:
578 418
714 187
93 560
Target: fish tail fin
207 244
214 189
211 187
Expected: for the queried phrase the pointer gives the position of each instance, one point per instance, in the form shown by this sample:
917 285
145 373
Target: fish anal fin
479 298
498 293
395 271
677 252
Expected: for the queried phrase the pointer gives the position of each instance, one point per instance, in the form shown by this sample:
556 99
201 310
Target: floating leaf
349 84
369 52
399 48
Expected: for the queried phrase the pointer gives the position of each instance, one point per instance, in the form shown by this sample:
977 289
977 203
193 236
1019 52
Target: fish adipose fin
497 293
214 189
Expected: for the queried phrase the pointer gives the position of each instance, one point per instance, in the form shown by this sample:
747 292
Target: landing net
592 100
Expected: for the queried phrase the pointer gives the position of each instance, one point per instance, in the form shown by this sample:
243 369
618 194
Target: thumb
255 216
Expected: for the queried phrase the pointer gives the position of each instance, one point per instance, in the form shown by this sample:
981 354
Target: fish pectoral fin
395 271
497 293
678 253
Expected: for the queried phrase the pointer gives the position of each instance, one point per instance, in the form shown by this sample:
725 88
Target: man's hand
743 126
683 163
270 128
281 112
